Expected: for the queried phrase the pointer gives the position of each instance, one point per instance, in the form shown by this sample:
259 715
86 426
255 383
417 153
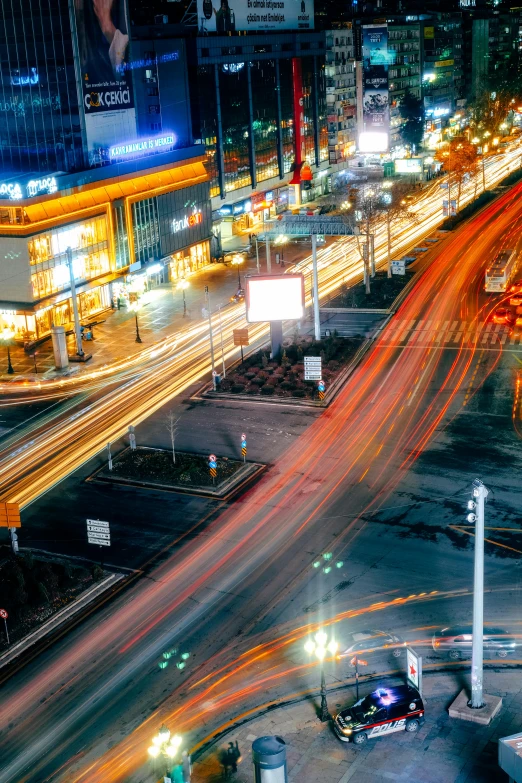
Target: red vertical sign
297 84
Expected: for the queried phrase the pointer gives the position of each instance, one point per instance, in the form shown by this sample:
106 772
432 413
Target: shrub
299 393
333 365
266 389
257 381
264 360
97 573
262 374
237 388
287 386
250 375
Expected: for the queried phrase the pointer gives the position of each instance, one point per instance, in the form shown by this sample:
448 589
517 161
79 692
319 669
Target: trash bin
269 757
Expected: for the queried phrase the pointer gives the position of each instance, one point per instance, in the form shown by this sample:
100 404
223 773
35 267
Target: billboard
274 298
105 81
376 111
227 16
408 166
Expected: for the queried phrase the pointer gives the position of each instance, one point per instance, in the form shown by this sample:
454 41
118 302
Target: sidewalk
160 317
443 751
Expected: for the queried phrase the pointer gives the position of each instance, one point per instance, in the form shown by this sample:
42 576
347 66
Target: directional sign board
414 669
240 337
98 532
312 368
399 267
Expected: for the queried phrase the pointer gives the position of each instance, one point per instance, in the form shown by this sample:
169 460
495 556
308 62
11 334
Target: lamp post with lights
476 140
319 646
135 306
237 260
166 746
476 516
6 335
182 286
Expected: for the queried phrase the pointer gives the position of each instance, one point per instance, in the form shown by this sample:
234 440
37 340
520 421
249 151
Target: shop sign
15 191
226 210
241 207
187 221
262 201
11 190
140 146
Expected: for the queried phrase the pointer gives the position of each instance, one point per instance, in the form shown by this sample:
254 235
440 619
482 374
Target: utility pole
221 338
268 262
207 302
315 286
480 494
483 171
77 329
257 254
366 274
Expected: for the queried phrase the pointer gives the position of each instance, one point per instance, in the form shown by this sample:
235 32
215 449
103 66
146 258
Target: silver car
371 641
457 641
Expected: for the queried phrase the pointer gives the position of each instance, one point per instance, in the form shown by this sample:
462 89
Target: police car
386 710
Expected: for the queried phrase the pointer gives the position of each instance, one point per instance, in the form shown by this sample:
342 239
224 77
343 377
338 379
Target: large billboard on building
374 135
274 298
106 83
227 16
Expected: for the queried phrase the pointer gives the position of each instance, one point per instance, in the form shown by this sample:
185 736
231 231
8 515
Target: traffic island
259 378
384 291
460 708
149 468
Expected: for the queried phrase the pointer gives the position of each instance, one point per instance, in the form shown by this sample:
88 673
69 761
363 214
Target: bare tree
460 161
395 206
171 424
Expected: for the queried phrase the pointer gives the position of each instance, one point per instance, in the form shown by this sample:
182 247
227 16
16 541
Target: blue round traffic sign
321 386
212 464
243 444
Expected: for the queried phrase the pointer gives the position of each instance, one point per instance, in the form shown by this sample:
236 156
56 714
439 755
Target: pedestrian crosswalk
450 334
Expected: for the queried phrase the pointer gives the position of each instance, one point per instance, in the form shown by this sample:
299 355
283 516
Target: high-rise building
341 96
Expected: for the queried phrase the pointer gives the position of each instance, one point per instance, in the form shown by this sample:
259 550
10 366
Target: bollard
269 757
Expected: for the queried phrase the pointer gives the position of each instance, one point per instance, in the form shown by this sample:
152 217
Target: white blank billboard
274 298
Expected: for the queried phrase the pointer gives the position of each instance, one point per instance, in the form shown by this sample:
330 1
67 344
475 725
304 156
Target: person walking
186 763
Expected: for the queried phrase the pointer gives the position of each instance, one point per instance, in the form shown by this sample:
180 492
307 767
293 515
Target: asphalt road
380 481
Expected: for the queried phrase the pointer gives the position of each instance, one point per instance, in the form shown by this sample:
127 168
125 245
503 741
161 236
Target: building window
265 119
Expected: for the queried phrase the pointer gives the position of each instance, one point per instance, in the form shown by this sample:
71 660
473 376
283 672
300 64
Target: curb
57 619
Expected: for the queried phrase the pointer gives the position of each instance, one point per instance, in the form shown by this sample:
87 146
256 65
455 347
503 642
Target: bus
501 271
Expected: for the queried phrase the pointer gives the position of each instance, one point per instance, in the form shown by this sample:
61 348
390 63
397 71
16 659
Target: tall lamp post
136 306
476 505
183 285
166 746
6 336
320 646
476 140
237 260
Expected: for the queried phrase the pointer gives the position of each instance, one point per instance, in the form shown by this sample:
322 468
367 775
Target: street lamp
135 306
183 285
281 240
319 646
165 745
6 336
237 260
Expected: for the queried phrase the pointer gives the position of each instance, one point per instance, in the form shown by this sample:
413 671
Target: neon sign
188 221
19 80
11 189
45 185
142 146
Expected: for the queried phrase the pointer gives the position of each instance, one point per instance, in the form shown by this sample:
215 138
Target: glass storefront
47 255
188 261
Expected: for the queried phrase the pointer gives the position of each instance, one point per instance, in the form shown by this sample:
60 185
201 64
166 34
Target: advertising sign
414 669
106 83
274 298
376 111
227 16
408 166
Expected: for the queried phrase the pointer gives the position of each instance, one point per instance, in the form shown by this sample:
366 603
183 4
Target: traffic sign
10 515
212 464
243 436
98 532
312 368
212 458
398 267
320 388
240 337
3 614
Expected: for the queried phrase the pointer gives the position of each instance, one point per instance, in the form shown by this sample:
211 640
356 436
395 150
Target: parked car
372 641
384 711
457 642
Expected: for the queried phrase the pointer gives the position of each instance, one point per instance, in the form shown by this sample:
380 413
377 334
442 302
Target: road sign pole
109 455
221 338
257 255
207 299
480 494
243 446
356 679
268 263
315 285
6 631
